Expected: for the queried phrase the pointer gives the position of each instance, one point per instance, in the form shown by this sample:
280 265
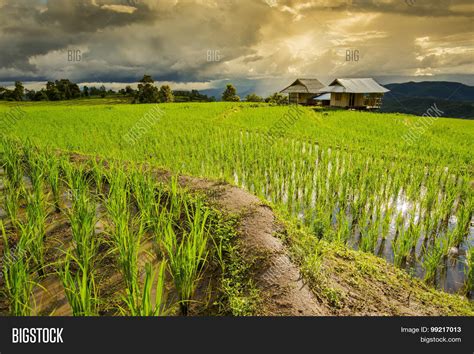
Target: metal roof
323 97
304 86
364 85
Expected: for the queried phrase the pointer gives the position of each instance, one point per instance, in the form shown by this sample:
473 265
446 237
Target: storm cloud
212 40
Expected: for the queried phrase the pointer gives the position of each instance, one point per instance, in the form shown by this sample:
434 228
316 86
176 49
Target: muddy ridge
281 286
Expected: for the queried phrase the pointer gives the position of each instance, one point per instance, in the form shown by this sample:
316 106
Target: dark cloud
205 40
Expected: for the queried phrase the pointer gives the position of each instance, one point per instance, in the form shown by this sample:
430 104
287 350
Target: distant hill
453 98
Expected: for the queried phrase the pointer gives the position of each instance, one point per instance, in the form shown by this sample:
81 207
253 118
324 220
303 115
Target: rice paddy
153 238
348 177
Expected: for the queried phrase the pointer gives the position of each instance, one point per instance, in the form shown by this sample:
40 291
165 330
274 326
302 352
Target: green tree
52 92
230 94
40 95
277 98
85 91
30 94
129 91
19 91
147 91
165 94
102 91
253 98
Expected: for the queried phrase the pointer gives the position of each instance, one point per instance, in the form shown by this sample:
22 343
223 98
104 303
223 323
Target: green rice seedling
447 242
82 216
54 181
470 270
369 237
386 220
99 175
12 202
187 256
144 192
343 228
17 278
126 237
175 198
79 286
321 224
142 303
118 198
127 242
12 162
302 171
464 217
36 174
399 225
431 260
160 218
34 229
401 248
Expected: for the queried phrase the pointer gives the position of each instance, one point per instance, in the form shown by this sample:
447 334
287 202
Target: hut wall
339 99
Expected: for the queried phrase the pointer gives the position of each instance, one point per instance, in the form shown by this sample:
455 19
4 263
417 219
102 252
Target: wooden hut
302 91
363 93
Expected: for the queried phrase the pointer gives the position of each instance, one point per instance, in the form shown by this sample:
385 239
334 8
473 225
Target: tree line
58 90
146 92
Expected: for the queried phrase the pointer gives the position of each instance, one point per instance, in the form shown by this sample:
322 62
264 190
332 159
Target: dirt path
281 286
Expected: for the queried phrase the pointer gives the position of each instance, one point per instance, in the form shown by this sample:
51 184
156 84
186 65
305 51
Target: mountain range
452 98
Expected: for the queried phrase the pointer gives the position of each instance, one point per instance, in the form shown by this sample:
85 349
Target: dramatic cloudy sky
261 43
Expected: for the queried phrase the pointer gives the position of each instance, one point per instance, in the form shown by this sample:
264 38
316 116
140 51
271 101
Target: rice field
107 238
348 177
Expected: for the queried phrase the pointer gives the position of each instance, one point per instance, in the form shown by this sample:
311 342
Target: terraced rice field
349 178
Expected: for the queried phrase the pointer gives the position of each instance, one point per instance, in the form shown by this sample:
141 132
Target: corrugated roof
323 97
332 89
364 85
303 86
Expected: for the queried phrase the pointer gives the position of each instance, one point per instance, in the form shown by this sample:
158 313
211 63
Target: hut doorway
351 99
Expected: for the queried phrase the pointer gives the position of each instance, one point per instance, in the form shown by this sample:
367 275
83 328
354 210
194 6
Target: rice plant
470 270
54 181
142 302
82 216
369 237
464 218
401 248
144 193
431 260
187 255
127 233
12 162
79 286
12 202
99 175
34 229
313 171
17 278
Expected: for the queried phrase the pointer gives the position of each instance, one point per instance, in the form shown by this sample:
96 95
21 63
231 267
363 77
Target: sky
260 45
